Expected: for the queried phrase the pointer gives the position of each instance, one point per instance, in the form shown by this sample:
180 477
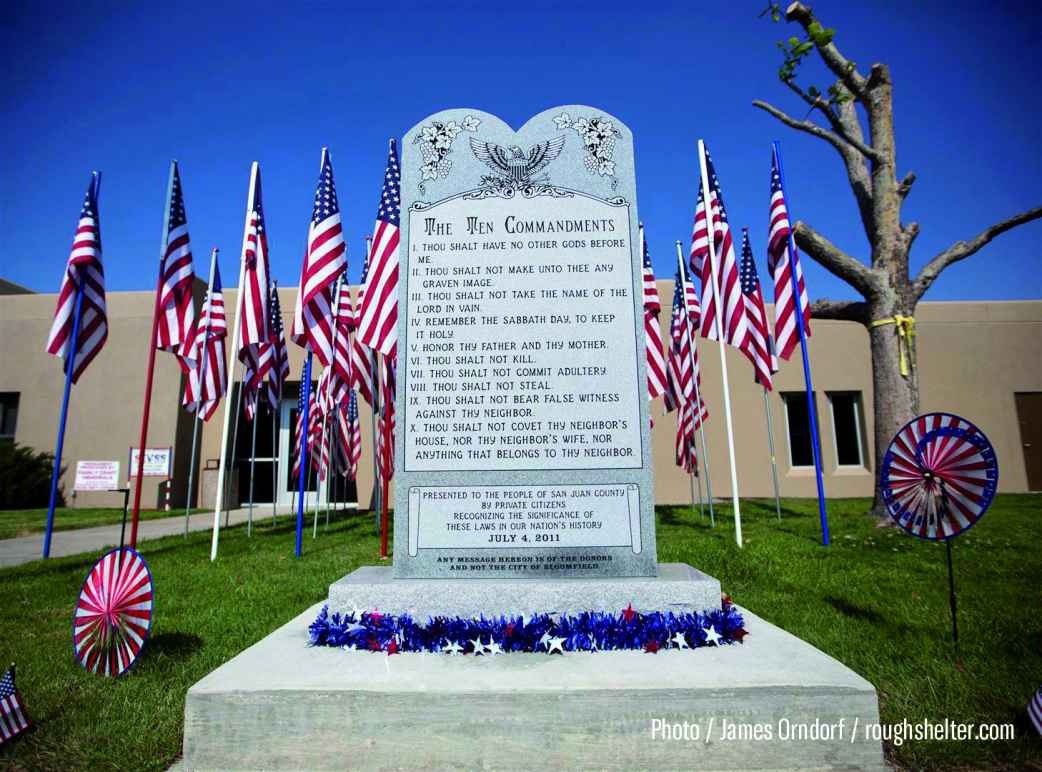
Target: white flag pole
707 199
199 394
231 363
696 414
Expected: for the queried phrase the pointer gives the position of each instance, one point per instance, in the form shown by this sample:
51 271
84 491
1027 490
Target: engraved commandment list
522 419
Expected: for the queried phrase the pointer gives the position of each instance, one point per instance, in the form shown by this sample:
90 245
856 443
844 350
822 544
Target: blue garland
588 631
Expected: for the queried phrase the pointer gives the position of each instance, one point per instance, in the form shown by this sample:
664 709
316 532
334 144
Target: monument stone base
281 704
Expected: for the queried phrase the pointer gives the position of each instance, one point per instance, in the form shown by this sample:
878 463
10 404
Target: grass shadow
853 610
174 645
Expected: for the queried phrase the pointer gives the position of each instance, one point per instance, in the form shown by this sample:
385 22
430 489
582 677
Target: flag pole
253 466
770 445
70 368
374 496
275 462
798 308
701 507
720 335
198 397
151 361
385 478
303 450
231 365
694 376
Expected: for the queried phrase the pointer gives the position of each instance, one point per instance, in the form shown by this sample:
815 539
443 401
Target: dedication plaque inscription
522 443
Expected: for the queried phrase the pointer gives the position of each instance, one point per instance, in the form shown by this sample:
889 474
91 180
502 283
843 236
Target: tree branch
960 250
817 103
841 310
842 67
810 127
904 187
835 261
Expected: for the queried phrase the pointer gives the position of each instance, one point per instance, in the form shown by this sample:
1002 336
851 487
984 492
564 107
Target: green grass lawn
876 600
26 522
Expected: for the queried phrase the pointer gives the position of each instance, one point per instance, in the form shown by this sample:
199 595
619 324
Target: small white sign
97 475
157 462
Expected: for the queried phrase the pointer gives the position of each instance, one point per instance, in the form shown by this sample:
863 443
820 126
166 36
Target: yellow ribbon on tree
905 328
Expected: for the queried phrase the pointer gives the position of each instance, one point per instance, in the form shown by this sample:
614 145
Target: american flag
652 331
207 380
1035 710
176 330
349 437
682 363
733 314
757 345
82 269
316 414
786 333
298 435
275 351
254 305
386 419
378 327
13 720
345 321
324 261
361 357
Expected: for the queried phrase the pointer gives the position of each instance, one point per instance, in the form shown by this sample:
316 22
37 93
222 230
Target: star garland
542 633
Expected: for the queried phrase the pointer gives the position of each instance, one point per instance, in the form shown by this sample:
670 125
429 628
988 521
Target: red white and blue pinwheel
938 476
114 613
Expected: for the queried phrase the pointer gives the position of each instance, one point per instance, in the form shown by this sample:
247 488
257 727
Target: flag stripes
82 269
780 264
378 326
208 379
757 344
656 363
176 329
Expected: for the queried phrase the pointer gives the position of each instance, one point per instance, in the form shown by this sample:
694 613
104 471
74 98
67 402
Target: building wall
973 357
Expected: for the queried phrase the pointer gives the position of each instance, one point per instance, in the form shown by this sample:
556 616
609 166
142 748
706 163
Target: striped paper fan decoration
939 476
114 613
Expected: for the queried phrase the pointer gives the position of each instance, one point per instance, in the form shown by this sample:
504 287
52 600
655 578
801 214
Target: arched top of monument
571 146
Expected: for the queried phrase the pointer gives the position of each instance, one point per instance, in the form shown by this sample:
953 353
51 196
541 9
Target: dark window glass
8 415
846 420
798 419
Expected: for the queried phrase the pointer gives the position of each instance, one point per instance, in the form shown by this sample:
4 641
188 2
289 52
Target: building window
846 427
8 415
797 426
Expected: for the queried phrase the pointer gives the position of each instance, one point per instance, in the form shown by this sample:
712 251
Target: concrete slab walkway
15 552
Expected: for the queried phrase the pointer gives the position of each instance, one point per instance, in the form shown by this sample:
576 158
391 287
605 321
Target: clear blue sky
216 85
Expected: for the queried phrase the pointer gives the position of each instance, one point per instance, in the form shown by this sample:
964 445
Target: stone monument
523 486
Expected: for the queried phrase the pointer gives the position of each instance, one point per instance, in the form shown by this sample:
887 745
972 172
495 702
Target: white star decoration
545 640
479 647
452 648
555 643
494 648
712 636
680 641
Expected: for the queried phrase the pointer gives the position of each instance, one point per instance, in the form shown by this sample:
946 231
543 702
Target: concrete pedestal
283 705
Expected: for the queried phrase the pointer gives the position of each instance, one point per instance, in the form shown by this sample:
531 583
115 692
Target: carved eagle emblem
512 163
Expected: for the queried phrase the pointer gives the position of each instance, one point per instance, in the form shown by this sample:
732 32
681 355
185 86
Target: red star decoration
628 613
739 634
510 629
651 647
392 647
374 645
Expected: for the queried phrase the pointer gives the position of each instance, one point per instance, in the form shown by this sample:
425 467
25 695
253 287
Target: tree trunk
896 396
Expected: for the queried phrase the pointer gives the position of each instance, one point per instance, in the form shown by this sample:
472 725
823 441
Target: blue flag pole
797 300
70 368
306 385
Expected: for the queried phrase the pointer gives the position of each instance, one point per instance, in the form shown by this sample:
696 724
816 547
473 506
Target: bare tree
889 291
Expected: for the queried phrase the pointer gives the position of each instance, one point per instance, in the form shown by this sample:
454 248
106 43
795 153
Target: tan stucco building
982 360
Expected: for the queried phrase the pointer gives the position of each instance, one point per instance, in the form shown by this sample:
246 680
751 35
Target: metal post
698 395
235 441
811 407
70 367
951 593
253 467
770 445
275 412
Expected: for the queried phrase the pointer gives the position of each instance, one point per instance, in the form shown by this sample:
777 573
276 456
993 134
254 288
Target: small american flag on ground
13 720
361 357
652 331
378 326
757 345
324 261
176 330
207 380
730 304
1035 710
786 334
83 269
